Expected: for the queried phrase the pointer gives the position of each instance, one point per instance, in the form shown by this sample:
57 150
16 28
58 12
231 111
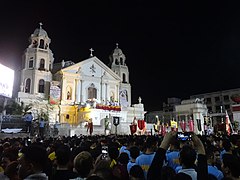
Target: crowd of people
121 157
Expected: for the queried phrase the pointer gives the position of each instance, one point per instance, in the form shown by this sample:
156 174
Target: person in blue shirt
226 147
212 169
127 143
41 127
134 153
172 157
145 159
28 119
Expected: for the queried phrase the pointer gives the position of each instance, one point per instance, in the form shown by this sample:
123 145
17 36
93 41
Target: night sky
173 49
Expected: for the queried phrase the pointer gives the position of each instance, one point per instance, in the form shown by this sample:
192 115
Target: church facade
73 94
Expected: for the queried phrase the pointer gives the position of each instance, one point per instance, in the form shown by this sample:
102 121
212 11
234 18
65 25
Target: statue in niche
68 95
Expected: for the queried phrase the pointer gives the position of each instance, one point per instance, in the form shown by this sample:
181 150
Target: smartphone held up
104 152
184 136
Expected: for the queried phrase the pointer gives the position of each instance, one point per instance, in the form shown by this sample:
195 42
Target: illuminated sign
6 81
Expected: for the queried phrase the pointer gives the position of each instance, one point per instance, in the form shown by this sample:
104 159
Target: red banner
133 128
191 125
141 124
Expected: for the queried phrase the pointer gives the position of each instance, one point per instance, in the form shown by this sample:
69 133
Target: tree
15 108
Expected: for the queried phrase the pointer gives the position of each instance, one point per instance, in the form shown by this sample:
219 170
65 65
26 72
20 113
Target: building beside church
75 93
189 115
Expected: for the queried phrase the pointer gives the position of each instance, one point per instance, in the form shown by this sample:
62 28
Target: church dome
117 51
40 32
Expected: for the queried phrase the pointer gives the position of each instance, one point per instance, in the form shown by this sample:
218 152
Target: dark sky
173 49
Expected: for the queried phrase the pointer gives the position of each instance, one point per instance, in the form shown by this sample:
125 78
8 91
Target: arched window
92 92
28 85
41 86
116 61
35 43
30 64
124 78
41 44
42 64
121 61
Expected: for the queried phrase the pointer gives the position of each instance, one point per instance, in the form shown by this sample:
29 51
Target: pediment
91 67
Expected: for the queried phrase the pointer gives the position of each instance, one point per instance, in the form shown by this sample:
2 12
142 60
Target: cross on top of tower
40 24
91 52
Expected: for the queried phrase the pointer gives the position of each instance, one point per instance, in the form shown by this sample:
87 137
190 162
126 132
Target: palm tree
17 109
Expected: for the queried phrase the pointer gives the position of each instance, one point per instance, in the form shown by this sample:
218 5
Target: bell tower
37 63
118 65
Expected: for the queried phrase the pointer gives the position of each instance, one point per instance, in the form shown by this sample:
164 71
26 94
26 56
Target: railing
12 121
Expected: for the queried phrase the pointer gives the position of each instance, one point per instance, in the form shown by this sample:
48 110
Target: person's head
216 155
83 163
113 152
226 144
134 152
63 154
33 159
136 173
210 155
167 173
151 142
123 158
6 146
230 166
11 170
102 169
187 156
174 144
8 156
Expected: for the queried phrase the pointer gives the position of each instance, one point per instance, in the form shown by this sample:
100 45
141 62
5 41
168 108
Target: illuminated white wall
6 81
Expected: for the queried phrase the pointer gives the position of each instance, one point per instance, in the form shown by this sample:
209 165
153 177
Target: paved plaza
13 135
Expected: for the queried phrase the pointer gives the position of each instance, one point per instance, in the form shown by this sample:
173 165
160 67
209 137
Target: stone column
81 94
106 92
77 89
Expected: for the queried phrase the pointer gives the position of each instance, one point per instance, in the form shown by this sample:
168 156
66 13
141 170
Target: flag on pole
228 124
